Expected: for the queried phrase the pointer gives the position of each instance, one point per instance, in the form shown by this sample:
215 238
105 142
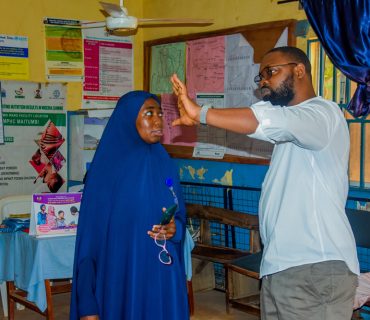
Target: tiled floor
209 305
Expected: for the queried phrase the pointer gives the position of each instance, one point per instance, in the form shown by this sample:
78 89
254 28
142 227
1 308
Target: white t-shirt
302 206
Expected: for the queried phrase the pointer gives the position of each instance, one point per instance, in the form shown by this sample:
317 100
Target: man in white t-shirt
309 267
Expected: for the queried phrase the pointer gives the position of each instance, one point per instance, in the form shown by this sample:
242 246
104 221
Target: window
331 84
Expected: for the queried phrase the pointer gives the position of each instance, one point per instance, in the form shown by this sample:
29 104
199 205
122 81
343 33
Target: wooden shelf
250 304
185 152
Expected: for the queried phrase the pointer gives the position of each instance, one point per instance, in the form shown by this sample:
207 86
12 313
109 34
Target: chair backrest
360 222
224 216
209 214
15 204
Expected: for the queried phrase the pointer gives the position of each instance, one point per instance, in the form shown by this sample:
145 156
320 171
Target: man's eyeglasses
269 71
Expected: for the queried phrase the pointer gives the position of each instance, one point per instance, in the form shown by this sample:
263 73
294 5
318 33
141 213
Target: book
55 214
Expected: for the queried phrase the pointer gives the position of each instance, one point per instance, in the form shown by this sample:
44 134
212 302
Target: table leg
49 301
190 297
10 288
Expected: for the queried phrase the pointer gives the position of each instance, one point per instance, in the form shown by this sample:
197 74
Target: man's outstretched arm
240 120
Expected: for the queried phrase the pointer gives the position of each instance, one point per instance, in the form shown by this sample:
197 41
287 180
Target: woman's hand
166 231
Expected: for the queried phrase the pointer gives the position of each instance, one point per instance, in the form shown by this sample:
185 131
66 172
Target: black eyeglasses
269 71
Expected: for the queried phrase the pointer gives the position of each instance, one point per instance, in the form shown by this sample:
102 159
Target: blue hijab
117 273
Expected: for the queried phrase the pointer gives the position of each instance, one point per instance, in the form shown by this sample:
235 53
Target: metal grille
362 253
364 258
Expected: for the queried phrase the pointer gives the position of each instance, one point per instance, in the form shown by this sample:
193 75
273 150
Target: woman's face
149 122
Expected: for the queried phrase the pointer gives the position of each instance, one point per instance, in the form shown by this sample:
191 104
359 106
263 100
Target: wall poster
33 157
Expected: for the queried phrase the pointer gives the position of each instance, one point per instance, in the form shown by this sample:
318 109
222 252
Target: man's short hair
295 54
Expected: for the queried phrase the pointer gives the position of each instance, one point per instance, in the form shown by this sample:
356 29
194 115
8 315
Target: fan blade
174 20
113 10
93 24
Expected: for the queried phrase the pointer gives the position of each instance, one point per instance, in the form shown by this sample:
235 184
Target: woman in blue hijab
119 272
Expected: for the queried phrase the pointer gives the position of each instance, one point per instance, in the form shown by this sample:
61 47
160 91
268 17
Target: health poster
64 50
108 62
33 157
14 61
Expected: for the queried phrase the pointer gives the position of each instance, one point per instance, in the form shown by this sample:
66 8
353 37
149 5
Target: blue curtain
343 28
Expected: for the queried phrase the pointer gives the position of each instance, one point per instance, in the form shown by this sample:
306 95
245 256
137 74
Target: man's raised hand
188 109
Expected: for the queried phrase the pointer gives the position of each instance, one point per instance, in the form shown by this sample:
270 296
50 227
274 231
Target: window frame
362 182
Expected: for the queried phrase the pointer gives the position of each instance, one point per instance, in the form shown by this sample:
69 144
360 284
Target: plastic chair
15 204
10 205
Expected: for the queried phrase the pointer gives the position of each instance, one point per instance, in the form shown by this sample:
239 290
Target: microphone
169 184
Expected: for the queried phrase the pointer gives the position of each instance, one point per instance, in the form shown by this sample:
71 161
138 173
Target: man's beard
283 94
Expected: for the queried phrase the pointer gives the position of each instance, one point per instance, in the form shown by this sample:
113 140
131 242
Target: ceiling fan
119 19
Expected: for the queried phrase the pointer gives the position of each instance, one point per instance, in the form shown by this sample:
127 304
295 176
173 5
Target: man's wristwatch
203 113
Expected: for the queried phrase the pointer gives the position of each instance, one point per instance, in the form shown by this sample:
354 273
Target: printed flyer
55 214
108 65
